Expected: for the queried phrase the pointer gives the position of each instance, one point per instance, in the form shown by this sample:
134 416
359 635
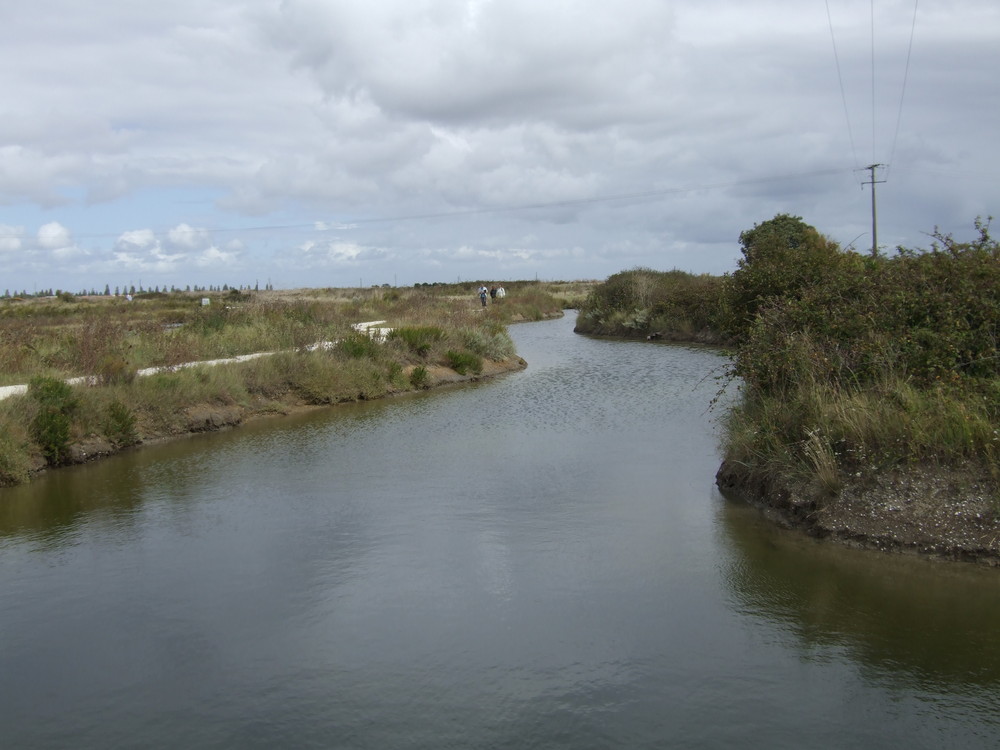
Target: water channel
540 561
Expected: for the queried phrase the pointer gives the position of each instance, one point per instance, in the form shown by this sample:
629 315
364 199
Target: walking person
482 294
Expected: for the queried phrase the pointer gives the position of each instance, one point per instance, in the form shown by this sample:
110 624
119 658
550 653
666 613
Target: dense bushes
863 360
783 259
930 317
642 302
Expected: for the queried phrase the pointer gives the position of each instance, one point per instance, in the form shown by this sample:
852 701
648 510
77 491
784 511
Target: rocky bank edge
935 511
209 417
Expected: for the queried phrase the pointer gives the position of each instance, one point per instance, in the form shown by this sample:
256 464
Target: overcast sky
344 142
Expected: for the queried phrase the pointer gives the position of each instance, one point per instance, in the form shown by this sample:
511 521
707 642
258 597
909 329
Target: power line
840 79
872 4
906 75
353 223
899 115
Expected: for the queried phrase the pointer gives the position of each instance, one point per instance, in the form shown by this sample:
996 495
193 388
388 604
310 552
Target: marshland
315 355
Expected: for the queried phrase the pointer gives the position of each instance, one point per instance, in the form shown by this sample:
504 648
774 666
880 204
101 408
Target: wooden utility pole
873 183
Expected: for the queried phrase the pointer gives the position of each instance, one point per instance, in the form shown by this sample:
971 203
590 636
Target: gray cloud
422 141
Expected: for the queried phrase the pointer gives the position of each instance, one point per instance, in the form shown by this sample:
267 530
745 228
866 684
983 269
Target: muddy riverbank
942 512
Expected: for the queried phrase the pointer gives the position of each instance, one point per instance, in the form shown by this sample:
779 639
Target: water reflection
905 619
49 511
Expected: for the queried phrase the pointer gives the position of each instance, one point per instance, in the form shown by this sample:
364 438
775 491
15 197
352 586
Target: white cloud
138 238
213 257
336 252
54 236
188 237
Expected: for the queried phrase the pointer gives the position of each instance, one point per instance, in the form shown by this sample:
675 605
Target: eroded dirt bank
941 512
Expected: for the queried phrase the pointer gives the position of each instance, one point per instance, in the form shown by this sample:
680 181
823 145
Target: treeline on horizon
845 360
120 291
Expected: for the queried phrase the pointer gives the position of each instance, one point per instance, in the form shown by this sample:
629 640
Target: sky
338 143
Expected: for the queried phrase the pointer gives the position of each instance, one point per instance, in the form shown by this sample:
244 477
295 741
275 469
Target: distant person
501 293
482 294
493 293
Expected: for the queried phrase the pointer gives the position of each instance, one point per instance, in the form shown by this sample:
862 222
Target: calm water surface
537 562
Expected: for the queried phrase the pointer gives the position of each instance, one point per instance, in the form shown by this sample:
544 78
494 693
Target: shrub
636 303
358 345
51 425
418 339
120 425
490 341
394 372
115 371
781 258
889 359
267 377
322 379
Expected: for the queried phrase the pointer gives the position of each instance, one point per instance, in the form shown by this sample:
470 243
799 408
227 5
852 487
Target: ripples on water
539 561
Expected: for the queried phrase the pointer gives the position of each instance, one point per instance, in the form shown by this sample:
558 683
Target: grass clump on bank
854 363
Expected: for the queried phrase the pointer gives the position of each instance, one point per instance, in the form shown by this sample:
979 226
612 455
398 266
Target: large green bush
782 259
641 302
877 360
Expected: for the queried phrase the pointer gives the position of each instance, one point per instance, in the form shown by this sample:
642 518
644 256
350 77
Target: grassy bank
439 333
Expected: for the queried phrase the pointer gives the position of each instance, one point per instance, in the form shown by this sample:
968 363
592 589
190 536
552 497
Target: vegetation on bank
643 303
848 364
851 363
108 340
